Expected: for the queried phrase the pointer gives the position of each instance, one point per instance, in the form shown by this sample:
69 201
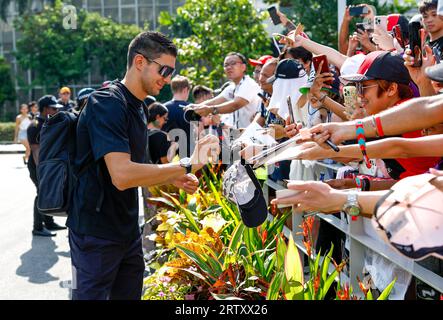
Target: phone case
325 67
274 16
358 11
351 99
415 43
381 21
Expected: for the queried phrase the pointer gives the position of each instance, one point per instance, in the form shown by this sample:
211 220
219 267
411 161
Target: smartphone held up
415 42
274 16
316 61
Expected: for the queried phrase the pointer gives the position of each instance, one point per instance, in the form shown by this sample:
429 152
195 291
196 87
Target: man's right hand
336 132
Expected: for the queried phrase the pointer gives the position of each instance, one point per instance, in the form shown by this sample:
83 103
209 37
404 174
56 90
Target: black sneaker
43 233
54 226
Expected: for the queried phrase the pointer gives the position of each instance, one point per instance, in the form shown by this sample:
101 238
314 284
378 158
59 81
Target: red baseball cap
261 61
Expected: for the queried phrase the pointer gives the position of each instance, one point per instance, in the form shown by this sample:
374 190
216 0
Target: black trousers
106 270
38 217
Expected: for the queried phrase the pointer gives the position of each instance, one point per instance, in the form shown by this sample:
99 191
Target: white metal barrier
361 237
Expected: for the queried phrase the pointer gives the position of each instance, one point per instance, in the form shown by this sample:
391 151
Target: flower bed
204 251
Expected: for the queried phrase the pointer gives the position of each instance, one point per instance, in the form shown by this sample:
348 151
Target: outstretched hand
187 182
313 196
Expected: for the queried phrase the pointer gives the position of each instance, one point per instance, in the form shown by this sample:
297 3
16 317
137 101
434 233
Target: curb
11 152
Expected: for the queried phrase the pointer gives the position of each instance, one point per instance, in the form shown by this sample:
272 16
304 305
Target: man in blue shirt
180 87
104 234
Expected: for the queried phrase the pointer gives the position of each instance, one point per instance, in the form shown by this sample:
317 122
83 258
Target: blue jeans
105 269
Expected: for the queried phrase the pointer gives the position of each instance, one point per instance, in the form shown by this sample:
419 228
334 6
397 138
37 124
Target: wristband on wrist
358 183
362 142
379 126
323 97
374 126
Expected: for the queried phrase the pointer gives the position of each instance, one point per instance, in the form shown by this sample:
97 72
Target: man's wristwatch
214 110
186 163
351 206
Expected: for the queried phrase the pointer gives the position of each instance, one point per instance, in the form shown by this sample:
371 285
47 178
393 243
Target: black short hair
156 109
242 57
31 103
427 5
201 91
298 53
152 45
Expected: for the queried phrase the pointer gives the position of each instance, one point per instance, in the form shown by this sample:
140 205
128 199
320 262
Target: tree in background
206 30
59 56
320 16
107 43
7 90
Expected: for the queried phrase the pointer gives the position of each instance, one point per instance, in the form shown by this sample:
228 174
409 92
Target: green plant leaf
200 262
385 294
293 272
369 295
162 200
190 217
281 253
274 288
325 264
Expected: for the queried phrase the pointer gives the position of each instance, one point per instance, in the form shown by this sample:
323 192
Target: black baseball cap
288 69
381 65
48 101
241 186
435 72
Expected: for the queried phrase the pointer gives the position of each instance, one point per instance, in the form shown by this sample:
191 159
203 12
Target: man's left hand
187 182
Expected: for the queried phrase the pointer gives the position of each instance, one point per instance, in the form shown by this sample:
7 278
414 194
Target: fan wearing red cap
258 64
382 82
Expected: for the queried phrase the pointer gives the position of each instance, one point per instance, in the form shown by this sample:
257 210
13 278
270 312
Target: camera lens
191 115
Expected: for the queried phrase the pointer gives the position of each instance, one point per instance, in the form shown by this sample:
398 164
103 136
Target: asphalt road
31 268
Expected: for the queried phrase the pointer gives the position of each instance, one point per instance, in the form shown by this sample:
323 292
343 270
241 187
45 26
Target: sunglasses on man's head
165 71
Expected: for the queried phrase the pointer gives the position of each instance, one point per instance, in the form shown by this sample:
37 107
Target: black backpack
56 171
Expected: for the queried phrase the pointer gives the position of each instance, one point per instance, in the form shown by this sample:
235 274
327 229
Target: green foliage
206 30
61 56
7 131
308 12
7 91
107 42
57 54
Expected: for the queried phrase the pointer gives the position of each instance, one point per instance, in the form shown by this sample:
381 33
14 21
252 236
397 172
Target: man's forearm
415 114
336 108
412 115
334 57
343 40
146 175
227 107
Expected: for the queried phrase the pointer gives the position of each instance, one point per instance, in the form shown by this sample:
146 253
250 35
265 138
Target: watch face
185 161
354 211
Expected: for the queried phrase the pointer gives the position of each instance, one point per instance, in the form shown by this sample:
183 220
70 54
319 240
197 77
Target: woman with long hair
22 121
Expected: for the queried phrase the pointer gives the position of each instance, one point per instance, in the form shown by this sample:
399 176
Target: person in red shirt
383 82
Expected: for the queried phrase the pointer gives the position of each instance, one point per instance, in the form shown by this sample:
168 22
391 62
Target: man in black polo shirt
47 105
104 235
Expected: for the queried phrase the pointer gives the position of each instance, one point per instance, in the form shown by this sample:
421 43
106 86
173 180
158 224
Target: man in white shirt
239 99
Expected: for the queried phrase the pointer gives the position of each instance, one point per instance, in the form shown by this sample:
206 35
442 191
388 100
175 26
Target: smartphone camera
190 115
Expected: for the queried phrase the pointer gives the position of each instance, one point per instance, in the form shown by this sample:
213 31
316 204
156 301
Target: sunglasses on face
164 70
361 88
